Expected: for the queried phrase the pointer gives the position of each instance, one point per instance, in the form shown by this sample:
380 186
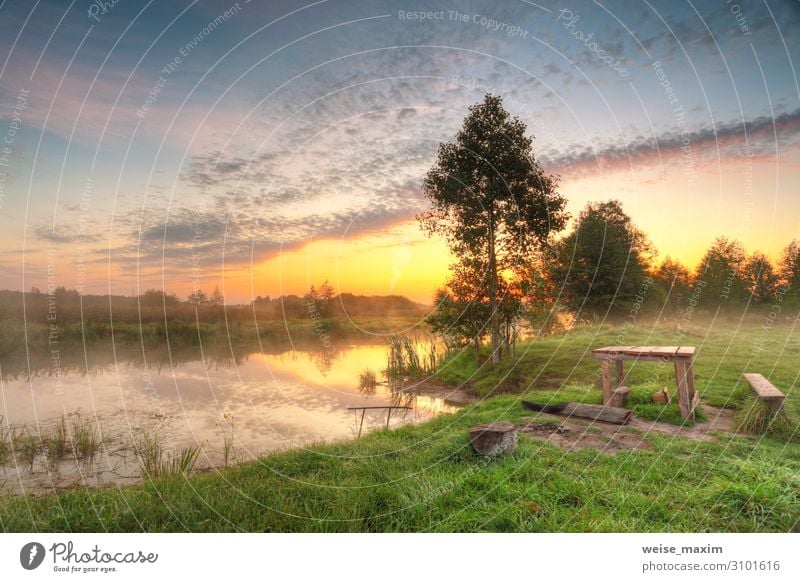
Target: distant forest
66 306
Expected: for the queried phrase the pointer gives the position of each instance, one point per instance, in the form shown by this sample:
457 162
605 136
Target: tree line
66 306
502 217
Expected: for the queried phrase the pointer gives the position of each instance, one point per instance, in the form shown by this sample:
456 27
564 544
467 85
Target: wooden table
680 356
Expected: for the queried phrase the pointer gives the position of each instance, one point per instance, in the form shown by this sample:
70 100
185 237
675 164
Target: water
259 401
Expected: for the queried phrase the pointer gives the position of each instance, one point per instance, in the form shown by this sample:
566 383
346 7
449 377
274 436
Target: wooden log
619 397
494 438
610 414
662 396
620 373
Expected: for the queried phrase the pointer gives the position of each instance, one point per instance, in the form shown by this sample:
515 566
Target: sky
265 146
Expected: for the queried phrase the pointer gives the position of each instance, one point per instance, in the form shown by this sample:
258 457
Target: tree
789 269
458 316
761 278
675 281
320 301
720 272
198 298
157 298
601 266
491 199
217 298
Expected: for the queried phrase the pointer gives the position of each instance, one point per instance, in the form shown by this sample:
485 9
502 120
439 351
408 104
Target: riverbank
426 478
653 475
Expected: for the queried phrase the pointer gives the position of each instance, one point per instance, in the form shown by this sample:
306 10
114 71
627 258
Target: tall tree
675 282
789 269
491 199
721 272
761 278
600 267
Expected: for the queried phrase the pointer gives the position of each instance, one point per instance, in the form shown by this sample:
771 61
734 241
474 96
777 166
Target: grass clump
86 440
5 441
755 417
155 461
56 443
404 357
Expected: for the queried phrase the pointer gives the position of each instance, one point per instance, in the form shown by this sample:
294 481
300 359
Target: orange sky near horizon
682 220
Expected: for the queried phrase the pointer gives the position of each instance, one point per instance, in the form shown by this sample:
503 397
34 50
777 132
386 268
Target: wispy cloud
757 138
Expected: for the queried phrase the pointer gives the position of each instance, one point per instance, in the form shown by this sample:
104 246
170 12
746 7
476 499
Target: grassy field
426 477
725 349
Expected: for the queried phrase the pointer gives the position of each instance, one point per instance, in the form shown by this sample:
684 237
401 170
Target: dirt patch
578 433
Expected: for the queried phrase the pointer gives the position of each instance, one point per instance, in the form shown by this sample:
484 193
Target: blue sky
279 123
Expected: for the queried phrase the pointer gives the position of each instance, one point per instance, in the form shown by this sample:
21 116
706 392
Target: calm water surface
263 402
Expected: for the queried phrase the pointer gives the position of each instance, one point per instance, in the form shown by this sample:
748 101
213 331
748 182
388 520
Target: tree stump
619 397
494 438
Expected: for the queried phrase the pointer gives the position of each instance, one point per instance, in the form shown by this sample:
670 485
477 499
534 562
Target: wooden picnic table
680 356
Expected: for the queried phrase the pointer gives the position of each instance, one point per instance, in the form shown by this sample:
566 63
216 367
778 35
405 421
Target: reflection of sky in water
277 400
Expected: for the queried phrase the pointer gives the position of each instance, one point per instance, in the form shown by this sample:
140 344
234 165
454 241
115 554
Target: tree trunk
478 349
495 322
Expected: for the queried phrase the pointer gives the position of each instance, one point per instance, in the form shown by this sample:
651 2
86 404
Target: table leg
694 400
606 372
620 373
684 401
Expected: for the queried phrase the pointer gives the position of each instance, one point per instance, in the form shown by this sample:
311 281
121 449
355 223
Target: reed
86 440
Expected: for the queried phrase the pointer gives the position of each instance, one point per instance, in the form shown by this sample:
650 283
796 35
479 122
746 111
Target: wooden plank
664 351
608 352
685 351
620 373
637 350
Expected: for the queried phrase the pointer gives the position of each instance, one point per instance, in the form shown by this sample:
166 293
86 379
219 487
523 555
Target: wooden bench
770 395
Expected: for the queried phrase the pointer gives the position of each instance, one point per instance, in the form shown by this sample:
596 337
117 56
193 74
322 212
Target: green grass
426 478
725 350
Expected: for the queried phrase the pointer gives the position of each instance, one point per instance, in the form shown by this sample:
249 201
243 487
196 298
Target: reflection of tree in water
97 361
323 360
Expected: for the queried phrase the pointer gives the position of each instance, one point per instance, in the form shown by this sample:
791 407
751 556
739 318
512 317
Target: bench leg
606 373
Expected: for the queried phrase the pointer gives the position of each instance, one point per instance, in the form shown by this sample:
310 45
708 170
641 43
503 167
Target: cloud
758 138
62 234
